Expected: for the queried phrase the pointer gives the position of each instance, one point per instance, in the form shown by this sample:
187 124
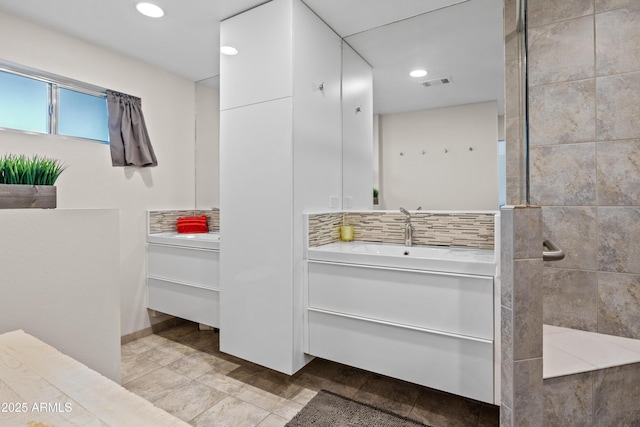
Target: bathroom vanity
421 314
183 275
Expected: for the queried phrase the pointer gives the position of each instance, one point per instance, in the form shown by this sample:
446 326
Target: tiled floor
182 371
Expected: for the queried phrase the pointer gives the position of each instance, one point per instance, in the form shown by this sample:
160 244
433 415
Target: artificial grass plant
35 170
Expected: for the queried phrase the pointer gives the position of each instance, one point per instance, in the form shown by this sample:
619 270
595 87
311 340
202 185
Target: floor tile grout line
146 373
208 408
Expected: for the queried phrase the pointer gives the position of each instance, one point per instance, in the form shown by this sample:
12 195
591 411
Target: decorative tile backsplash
474 230
164 221
324 228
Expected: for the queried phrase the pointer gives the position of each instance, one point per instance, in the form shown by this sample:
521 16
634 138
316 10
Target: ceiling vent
436 82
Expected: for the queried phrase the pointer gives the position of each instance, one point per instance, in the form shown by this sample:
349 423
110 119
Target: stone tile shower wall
513 117
606 397
474 230
165 221
521 317
584 80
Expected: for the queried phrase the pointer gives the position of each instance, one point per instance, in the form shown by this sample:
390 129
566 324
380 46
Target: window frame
55 83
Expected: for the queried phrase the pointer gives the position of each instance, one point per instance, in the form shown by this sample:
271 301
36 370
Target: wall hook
470 148
401 153
446 151
321 86
424 152
358 109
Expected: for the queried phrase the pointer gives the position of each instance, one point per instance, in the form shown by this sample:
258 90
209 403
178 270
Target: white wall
456 179
168 103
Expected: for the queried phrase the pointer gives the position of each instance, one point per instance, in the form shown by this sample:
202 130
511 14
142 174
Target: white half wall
59 282
168 102
445 158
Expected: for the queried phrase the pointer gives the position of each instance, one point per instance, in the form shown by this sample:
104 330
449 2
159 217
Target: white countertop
431 258
209 240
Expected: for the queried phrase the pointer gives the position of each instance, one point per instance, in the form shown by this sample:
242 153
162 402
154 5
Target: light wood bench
40 386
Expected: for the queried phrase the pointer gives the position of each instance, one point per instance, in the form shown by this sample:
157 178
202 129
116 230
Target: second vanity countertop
209 240
431 258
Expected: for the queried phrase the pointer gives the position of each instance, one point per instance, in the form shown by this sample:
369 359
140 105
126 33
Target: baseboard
160 326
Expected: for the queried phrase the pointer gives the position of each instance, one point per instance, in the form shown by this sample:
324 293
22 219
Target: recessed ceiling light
228 50
149 9
418 73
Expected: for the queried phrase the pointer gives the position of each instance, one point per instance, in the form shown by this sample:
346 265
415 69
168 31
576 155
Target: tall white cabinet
280 156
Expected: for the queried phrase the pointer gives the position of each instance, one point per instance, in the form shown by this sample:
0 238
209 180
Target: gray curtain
128 136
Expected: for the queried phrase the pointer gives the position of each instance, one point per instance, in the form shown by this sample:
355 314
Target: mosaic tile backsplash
473 230
324 228
165 221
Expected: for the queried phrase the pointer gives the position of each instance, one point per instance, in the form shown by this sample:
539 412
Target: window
51 104
82 115
24 103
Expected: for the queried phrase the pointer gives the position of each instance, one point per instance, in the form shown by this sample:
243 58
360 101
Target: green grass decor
35 170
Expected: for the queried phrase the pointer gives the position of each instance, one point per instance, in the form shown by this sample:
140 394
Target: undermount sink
433 258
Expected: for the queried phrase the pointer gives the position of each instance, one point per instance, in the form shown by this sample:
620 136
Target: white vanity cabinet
183 278
427 327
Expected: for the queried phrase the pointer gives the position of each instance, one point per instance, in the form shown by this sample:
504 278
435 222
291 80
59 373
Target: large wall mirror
207 157
437 136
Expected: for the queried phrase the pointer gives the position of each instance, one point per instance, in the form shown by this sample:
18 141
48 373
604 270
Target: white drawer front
184 301
186 265
456 365
458 304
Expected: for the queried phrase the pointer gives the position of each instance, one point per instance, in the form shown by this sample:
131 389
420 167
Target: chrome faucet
408 228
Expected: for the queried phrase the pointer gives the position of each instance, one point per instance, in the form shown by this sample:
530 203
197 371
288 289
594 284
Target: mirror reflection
438 138
437 134
207 178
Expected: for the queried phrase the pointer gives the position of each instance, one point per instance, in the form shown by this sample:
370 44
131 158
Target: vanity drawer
452 364
185 265
182 300
452 303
